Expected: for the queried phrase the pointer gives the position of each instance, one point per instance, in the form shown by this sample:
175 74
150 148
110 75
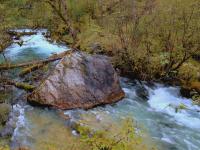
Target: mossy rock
196 86
196 99
4 113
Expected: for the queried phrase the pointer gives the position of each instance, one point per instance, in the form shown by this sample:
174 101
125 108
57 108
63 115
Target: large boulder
79 81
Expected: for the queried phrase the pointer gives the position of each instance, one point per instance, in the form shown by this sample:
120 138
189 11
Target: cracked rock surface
79 80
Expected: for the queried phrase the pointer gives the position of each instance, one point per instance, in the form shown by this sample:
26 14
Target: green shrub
141 36
125 137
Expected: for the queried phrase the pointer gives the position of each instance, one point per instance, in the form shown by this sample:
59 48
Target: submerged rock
142 92
79 81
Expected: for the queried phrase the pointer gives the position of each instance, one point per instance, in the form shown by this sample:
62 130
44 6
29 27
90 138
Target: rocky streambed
171 121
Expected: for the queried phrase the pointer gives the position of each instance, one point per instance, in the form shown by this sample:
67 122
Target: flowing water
172 121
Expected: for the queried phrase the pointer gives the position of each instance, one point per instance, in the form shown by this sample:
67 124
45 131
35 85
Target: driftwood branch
33 66
15 33
39 62
30 69
20 85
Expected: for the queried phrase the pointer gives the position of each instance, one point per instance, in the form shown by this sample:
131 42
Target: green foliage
20 14
81 10
24 13
124 138
4 143
180 107
140 35
6 147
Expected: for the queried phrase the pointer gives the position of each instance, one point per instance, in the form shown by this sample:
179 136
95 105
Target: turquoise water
34 47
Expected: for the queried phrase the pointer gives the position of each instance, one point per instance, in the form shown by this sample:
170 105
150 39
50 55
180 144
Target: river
160 114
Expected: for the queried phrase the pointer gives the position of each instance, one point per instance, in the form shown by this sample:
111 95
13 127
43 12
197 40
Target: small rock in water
64 116
74 133
167 140
142 92
98 118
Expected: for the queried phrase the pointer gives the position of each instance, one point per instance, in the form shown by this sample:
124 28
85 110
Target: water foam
167 100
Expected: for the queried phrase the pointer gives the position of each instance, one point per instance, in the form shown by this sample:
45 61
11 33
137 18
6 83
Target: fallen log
13 66
19 34
26 64
20 85
30 69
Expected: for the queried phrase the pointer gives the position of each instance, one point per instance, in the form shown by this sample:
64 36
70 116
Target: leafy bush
141 36
124 138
